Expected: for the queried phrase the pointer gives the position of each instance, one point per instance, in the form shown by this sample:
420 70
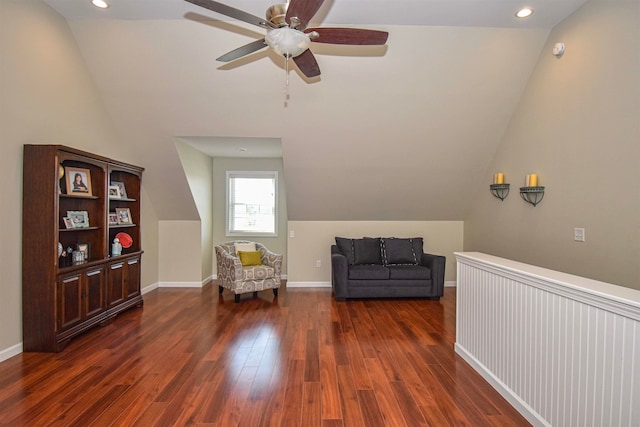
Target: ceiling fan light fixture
524 12
102 4
287 41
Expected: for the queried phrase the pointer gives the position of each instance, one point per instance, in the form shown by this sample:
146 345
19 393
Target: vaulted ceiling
394 133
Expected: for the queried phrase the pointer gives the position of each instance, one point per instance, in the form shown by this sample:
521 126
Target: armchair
241 279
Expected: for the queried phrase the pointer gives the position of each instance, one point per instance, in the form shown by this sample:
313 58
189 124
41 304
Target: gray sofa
385 268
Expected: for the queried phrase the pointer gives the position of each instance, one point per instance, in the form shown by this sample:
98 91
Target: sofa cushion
367 251
346 248
250 258
368 272
409 272
245 246
401 251
257 272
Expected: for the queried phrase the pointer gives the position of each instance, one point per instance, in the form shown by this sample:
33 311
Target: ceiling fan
288 35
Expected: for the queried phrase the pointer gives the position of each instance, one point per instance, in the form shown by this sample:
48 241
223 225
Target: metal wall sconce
501 191
531 192
532 195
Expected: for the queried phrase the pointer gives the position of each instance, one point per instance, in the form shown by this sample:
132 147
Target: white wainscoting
563 350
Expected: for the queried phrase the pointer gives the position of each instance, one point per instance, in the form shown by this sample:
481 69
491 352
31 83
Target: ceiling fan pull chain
286 79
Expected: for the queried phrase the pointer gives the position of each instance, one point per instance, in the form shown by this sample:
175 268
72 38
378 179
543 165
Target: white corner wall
578 127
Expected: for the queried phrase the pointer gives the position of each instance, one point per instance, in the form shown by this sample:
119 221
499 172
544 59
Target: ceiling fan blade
243 50
232 12
307 63
353 36
303 10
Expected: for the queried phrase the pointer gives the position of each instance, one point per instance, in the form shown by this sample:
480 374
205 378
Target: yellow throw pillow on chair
249 258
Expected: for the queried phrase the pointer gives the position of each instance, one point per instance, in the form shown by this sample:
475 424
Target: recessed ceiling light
524 12
100 3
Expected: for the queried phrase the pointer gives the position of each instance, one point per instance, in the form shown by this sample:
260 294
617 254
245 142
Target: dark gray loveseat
385 268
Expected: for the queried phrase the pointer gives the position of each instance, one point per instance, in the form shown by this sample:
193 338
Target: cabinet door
132 277
94 292
69 301
116 284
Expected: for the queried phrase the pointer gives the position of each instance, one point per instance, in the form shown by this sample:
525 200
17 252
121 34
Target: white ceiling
263 148
476 13
386 133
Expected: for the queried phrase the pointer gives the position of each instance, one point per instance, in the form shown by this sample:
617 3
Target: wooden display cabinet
66 205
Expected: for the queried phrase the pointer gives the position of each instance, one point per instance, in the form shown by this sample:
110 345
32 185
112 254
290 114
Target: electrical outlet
292 234
578 234
318 263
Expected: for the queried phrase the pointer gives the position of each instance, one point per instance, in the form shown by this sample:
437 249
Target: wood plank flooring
192 357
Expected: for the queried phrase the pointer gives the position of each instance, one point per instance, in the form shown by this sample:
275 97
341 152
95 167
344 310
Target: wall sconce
531 192
499 189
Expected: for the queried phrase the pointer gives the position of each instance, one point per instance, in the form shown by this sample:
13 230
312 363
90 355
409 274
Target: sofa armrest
232 264
339 274
437 265
271 259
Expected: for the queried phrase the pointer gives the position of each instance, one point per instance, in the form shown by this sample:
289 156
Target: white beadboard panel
564 350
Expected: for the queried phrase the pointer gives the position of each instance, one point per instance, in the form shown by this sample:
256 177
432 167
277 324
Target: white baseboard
179 284
449 284
308 284
10 352
510 396
149 288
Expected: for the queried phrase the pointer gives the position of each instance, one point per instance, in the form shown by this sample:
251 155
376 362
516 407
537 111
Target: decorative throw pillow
245 247
346 248
249 258
367 251
416 242
399 251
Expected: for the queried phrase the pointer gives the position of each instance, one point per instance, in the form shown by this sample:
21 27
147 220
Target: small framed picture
86 249
114 192
78 181
113 218
120 185
80 219
124 216
68 222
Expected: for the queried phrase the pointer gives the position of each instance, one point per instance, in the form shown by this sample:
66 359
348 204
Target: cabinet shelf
73 196
122 225
121 199
67 230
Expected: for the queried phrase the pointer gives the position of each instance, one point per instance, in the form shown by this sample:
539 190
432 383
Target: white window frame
251 174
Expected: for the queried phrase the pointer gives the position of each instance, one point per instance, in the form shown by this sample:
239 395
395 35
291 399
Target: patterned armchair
241 279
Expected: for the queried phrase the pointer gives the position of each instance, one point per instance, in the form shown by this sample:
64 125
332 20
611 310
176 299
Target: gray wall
577 126
198 168
47 96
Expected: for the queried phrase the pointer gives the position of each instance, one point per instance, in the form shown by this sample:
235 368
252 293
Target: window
252 203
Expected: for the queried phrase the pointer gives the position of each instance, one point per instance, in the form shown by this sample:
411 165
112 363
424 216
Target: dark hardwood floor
190 357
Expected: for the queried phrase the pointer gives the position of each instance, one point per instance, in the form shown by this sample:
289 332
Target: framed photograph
124 216
78 181
120 185
68 222
80 219
113 218
114 192
86 249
